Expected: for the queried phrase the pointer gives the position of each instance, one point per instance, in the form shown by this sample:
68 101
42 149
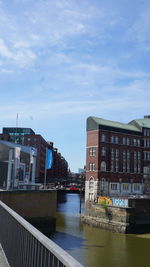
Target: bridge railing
25 246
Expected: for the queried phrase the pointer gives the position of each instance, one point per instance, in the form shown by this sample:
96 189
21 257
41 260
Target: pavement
3 260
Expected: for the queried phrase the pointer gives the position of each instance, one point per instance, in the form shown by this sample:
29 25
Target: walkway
3 262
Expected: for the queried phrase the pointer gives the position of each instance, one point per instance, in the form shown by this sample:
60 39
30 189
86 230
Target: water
94 247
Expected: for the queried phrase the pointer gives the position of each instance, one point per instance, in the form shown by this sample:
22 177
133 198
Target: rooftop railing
25 246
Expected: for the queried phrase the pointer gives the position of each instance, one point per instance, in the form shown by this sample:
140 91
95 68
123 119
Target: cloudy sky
64 60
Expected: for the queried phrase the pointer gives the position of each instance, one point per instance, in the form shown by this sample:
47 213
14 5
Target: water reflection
94 247
68 241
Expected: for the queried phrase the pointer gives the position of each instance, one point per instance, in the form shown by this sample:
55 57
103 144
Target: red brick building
27 137
117 157
59 172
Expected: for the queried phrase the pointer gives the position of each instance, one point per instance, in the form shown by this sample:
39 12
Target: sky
65 60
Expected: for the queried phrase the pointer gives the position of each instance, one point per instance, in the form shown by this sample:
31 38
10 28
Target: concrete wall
37 207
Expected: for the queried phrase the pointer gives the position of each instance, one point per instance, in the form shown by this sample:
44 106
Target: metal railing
25 246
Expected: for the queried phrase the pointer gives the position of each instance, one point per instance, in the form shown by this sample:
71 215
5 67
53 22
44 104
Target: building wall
59 170
27 137
92 164
119 160
37 141
4 137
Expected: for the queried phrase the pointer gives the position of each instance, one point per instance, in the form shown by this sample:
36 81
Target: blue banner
49 159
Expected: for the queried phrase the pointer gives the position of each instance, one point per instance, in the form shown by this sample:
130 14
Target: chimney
147 117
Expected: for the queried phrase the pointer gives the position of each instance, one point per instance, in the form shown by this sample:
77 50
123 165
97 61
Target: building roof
142 123
94 122
135 125
18 130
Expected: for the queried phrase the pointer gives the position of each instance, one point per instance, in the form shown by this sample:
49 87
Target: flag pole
45 170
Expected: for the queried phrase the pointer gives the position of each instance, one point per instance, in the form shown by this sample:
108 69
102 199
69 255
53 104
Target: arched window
91 184
103 166
91 189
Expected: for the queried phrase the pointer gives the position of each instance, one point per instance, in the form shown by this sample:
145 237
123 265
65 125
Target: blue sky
64 60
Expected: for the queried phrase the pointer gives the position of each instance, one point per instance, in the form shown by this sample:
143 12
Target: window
91 189
103 151
112 165
103 138
138 142
92 167
103 166
117 153
112 153
28 139
128 161
146 155
124 161
134 155
112 139
139 155
114 187
128 141
134 142
146 143
116 139
91 184
135 162
146 170
124 141
125 187
136 187
92 151
117 165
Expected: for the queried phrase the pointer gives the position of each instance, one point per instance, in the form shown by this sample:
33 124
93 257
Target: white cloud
6 71
139 31
22 57
4 51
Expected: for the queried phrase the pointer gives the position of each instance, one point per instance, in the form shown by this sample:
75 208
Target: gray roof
94 122
142 123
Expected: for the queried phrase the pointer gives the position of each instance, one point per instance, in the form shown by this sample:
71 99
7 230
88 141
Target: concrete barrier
37 207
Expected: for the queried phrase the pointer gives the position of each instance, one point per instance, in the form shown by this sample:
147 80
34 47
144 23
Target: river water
94 247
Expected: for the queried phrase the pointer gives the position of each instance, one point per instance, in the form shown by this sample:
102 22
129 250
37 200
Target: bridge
25 246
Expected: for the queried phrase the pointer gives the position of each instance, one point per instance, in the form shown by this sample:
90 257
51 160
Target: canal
95 247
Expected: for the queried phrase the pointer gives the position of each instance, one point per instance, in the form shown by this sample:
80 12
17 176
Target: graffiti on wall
121 202
104 201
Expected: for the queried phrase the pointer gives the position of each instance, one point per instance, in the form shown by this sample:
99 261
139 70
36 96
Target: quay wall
132 219
37 207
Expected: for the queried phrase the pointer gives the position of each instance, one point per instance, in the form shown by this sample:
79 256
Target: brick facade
117 157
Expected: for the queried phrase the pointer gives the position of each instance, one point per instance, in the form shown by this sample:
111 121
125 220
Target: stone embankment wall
117 219
132 219
37 207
